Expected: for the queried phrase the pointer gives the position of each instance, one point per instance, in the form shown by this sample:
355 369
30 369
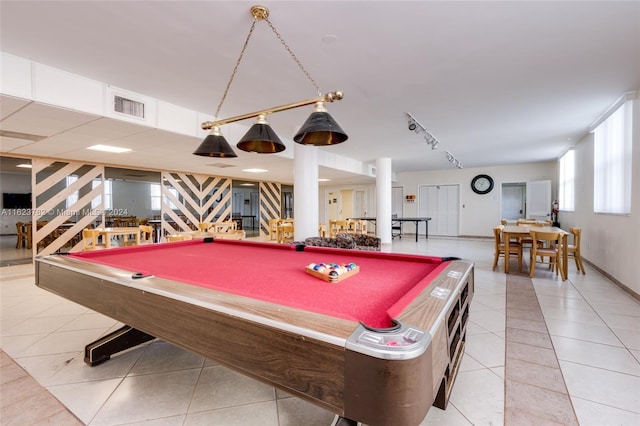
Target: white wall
131 198
478 213
608 241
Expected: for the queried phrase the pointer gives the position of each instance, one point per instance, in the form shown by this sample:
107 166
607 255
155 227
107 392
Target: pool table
379 347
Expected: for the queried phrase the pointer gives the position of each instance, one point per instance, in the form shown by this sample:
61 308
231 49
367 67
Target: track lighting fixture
431 140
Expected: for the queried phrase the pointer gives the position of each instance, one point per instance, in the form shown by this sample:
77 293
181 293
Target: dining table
515 231
124 231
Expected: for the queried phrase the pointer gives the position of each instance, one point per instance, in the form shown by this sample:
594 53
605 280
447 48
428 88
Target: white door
396 201
333 206
360 204
539 200
441 204
346 204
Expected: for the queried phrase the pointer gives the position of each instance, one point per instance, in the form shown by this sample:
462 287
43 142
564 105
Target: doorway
513 201
530 200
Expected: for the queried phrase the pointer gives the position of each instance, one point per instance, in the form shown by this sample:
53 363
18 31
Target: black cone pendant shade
320 129
261 139
215 145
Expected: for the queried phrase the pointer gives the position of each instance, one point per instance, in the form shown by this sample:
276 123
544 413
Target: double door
440 203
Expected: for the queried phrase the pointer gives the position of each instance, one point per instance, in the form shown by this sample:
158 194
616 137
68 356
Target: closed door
441 204
346 203
332 209
539 200
396 201
360 204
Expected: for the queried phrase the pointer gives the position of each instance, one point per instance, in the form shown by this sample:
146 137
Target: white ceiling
496 82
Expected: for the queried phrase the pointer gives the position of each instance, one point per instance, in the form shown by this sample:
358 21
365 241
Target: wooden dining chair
573 249
273 228
285 232
500 248
527 242
550 249
21 238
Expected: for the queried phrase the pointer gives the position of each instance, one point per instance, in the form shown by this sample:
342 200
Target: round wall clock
482 184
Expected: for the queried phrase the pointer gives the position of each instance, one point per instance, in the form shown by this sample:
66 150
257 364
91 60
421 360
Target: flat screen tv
16 201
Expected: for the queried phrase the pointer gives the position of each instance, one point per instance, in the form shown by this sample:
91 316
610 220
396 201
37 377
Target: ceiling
496 82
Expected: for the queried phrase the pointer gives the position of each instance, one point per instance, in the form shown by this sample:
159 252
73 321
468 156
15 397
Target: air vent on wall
372 170
128 106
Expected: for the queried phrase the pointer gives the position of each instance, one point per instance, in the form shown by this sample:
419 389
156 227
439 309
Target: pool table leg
124 338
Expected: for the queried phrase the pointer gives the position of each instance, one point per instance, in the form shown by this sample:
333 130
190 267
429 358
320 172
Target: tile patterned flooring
539 351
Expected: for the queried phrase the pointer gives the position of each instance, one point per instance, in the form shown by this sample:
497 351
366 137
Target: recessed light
109 148
324 180
247 184
255 170
24 166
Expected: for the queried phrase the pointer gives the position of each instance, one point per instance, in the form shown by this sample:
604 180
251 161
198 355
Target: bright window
612 162
156 197
107 193
566 182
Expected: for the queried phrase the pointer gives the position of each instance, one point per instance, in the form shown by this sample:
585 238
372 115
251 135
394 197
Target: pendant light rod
329 97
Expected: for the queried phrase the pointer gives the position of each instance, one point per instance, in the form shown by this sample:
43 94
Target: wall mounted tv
16 201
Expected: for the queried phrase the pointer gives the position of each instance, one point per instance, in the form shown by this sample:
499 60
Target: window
73 198
107 193
566 182
156 196
612 161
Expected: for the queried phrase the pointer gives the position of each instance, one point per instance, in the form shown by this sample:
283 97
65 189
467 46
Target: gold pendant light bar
320 129
329 97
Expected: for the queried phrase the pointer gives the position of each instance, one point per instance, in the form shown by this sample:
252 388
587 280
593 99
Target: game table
379 347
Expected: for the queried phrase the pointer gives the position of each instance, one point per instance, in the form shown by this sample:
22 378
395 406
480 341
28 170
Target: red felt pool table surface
276 273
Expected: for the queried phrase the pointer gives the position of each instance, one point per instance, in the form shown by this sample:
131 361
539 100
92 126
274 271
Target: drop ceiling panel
11 144
9 105
44 120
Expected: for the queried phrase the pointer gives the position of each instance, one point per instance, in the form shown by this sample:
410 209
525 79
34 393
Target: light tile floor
594 328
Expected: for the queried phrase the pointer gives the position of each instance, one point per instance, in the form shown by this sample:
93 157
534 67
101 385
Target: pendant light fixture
320 129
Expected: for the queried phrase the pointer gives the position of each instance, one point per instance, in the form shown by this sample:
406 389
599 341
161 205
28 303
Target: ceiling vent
128 106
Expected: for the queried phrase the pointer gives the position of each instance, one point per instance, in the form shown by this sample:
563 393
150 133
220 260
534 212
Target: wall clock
482 184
